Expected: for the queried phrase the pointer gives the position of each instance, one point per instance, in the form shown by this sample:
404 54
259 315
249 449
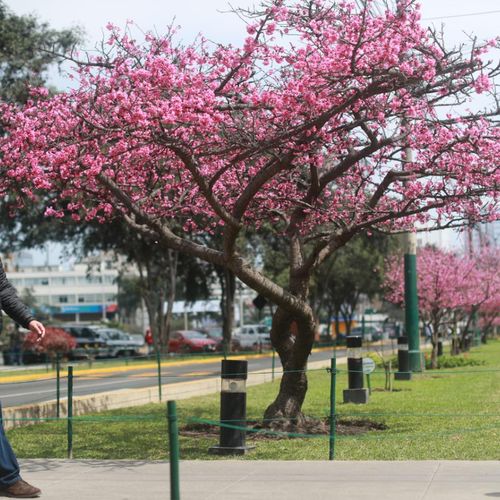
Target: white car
253 336
120 343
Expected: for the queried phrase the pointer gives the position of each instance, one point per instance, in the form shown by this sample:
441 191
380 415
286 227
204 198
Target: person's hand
38 328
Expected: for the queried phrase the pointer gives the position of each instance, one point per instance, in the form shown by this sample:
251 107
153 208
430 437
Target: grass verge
443 414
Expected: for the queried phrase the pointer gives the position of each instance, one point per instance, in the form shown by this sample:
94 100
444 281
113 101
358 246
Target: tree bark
293 351
465 339
434 342
173 259
228 307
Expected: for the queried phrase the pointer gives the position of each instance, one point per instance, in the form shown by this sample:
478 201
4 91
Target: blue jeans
9 468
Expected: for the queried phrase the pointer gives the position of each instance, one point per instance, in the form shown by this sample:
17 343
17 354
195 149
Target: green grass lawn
441 414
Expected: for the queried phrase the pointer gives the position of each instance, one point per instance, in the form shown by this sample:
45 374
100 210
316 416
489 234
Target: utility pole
411 296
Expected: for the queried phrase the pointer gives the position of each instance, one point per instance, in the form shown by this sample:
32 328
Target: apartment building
85 291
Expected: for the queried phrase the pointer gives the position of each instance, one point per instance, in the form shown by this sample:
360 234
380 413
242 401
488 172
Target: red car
184 341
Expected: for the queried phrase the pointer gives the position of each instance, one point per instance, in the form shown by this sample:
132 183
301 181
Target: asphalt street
21 393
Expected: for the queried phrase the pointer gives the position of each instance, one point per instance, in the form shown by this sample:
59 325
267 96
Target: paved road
19 393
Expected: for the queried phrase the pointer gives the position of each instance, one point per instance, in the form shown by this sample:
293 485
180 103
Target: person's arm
15 308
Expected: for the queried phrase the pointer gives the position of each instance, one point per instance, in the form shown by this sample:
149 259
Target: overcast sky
207 17
213 19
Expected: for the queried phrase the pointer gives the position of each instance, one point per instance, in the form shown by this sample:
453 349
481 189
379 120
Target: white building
86 291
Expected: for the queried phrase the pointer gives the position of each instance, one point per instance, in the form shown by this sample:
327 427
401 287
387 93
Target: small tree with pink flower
442 282
56 341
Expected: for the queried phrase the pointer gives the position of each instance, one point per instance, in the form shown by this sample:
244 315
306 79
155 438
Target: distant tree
481 292
446 284
129 297
28 47
351 272
29 298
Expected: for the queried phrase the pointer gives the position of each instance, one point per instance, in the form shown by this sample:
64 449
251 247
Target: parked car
253 336
185 341
88 341
371 332
215 333
119 343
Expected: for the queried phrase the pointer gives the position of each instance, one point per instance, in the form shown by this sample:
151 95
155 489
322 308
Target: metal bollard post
356 393
58 385
173 439
70 412
233 408
403 372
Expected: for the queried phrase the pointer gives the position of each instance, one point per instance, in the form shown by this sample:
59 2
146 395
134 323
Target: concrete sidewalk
265 480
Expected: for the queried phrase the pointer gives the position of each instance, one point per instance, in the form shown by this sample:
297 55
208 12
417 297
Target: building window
63 280
63 299
36 281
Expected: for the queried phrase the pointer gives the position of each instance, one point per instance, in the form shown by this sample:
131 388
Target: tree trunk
173 258
228 307
455 348
293 351
465 338
434 342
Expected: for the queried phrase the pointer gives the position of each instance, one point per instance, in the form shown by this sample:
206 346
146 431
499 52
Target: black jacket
11 303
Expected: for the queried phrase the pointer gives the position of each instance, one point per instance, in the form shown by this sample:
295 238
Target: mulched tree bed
259 430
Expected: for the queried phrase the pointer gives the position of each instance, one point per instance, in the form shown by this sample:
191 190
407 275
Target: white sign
368 365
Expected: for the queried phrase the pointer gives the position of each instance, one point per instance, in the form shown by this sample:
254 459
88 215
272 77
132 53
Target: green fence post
173 439
58 385
158 362
333 378
70 412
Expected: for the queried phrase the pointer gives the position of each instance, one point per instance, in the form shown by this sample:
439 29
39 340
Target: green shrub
454 362
379 362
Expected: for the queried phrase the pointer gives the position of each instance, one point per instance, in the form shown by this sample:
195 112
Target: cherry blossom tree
481 291
490 317
445 282
303 127
449 287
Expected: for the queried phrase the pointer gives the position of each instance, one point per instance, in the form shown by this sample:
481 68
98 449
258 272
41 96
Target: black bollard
233 408
356 393
403 372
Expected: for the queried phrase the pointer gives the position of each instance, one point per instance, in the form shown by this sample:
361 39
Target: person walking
11 483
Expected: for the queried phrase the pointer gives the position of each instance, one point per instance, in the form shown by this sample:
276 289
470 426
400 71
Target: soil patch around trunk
261 430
